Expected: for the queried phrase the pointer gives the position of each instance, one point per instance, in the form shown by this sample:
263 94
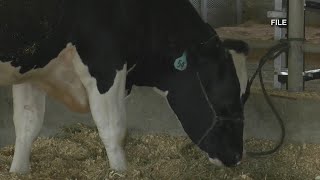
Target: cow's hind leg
108 111
28 108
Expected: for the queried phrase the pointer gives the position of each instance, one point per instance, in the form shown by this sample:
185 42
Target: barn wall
222 12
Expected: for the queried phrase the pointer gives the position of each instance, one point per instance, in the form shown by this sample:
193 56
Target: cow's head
207 98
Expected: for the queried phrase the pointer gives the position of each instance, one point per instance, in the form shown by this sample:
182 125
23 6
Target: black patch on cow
237 45
107 34
25 27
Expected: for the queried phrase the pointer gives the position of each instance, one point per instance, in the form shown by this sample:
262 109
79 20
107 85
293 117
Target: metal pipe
204 10
260 44
307 47
239 11
295 54
280 62
311 48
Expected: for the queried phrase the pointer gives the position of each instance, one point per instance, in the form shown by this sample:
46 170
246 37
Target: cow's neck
177 24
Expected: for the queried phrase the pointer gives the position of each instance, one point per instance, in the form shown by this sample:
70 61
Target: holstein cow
165 44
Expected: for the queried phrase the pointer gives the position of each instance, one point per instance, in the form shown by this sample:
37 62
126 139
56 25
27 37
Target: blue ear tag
181 62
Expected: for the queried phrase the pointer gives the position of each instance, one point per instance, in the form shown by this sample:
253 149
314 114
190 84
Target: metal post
280 62
239 11
296 37
204 10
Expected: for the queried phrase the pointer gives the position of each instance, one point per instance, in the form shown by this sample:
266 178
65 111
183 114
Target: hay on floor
77 153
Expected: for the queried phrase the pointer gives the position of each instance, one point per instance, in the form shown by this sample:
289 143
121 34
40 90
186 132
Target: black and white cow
84 64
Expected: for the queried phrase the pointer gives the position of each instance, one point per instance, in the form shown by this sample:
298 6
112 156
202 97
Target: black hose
274 52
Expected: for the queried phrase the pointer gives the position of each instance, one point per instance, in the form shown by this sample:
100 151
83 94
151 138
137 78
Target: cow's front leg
28 114
108 111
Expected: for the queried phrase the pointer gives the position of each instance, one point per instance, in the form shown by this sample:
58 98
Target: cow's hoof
117 159
21 170
119 166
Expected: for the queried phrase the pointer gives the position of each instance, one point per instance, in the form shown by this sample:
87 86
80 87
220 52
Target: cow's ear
236 45
207 51
211 47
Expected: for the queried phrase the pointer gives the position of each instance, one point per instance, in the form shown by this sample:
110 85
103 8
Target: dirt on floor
77 153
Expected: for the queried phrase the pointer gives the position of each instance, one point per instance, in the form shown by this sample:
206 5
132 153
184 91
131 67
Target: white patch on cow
216 162
8 74
29 108
108 111
160 92
239 61
59 80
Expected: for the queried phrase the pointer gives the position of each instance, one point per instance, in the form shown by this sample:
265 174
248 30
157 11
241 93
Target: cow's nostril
216 162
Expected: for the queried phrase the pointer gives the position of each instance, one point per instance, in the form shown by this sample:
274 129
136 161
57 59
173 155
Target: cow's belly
62 82
58 79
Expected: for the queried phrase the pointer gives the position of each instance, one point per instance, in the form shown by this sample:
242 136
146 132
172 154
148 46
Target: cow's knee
29 107
108 112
